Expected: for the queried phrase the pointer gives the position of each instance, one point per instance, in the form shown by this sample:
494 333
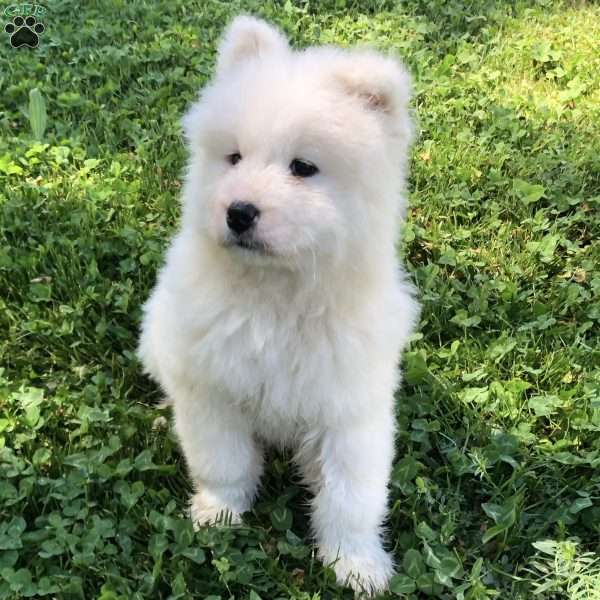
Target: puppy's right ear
248 37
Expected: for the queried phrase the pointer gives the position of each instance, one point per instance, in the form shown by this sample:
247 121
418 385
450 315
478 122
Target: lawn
496 488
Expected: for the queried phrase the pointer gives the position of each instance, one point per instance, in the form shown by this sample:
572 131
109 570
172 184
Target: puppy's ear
380 82
248 37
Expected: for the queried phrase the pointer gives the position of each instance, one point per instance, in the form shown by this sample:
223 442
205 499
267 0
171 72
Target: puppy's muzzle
241 216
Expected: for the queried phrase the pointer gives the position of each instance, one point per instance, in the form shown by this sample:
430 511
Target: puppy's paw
208 509
366 574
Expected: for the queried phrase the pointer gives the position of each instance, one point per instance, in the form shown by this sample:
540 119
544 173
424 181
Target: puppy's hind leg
350 502
222 456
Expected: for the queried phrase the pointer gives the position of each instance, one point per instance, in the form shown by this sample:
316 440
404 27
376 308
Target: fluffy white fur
295 343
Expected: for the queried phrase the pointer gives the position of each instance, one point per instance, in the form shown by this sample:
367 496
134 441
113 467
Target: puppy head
296 155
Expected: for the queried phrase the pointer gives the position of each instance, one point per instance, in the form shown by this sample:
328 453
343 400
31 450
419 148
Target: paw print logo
24 32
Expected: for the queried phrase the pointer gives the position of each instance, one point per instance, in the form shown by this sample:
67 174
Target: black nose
241 216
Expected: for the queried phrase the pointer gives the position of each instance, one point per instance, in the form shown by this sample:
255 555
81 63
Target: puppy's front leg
351 500
223 458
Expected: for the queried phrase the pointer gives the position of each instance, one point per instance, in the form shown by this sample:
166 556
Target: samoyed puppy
281 309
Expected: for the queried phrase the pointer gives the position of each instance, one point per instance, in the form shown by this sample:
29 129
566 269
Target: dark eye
234 159
303 168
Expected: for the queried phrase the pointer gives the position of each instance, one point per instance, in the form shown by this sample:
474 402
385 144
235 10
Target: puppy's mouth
248 244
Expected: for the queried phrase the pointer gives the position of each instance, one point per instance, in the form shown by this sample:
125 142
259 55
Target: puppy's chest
275 366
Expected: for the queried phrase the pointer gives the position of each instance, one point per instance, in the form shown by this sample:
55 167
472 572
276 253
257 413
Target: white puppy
281 310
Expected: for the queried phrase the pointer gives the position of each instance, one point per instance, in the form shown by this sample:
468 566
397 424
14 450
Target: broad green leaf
415 367
8 167
157 545
405 470
544 406
463 319
41 456
430 558
195 554
37 113
527 192
426 583
501 348
10 533
425 532
402 584
476 395
281 518
450 566
546 546
413 564
580 504
504 515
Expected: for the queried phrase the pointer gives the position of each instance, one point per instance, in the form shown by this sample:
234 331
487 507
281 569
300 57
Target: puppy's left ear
246 38
380 82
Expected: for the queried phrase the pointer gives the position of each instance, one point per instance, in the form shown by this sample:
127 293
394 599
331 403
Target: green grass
496 489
